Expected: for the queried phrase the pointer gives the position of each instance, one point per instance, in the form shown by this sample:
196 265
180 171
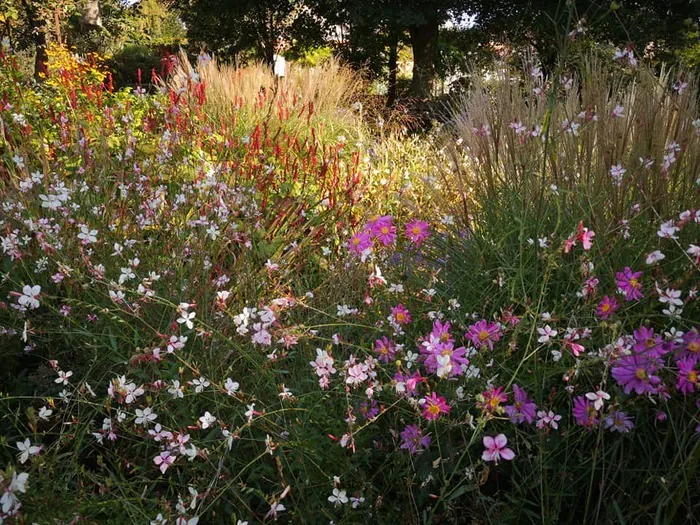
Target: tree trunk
424 41
42 58
393 67
38 28
91 14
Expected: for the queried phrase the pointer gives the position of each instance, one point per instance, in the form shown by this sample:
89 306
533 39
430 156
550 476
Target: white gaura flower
145 417
186 319
338 497
207 420
671 297
231 386
250 413
546 334
444 365
655 257
200 384
668 230
63 377
126 275
176 390
9 501
45 413
87 235
599 398
26 449
30 296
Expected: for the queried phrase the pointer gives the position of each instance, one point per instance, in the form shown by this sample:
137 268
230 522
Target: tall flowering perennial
638 372
418 231
688 376
492 399
434 406
440 357
484 334
413 440
385 349
523 408
585 413
607 308
383 231
628 282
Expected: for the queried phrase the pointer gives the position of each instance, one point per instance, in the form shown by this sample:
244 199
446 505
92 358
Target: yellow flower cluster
67 69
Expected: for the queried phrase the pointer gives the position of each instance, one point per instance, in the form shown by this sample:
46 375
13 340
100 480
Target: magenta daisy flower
369 410
585 413
417 231
484 334
433 406
687 376
413 440
383 230
384 347
645 342
618 422
607 307
360 242
690 347
457 359
400 314
441 332
522 409
493 397
628 283
637 372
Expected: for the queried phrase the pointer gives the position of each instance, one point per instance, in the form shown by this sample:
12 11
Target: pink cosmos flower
618 422
383 230
687 376
385 348
433 406
523 408
607 307
585 413
628 283
413 440
400 314
690 346
493 397
637 372
417 231
360 242
484 334
440 334
444 355
647 343
495 449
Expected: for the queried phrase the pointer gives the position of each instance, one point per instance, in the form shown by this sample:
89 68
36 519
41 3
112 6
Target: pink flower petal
507 454
501 440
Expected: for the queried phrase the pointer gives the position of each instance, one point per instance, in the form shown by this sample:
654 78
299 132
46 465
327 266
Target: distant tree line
366 33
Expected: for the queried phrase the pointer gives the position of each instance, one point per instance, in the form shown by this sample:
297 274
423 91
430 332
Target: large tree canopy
261 27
